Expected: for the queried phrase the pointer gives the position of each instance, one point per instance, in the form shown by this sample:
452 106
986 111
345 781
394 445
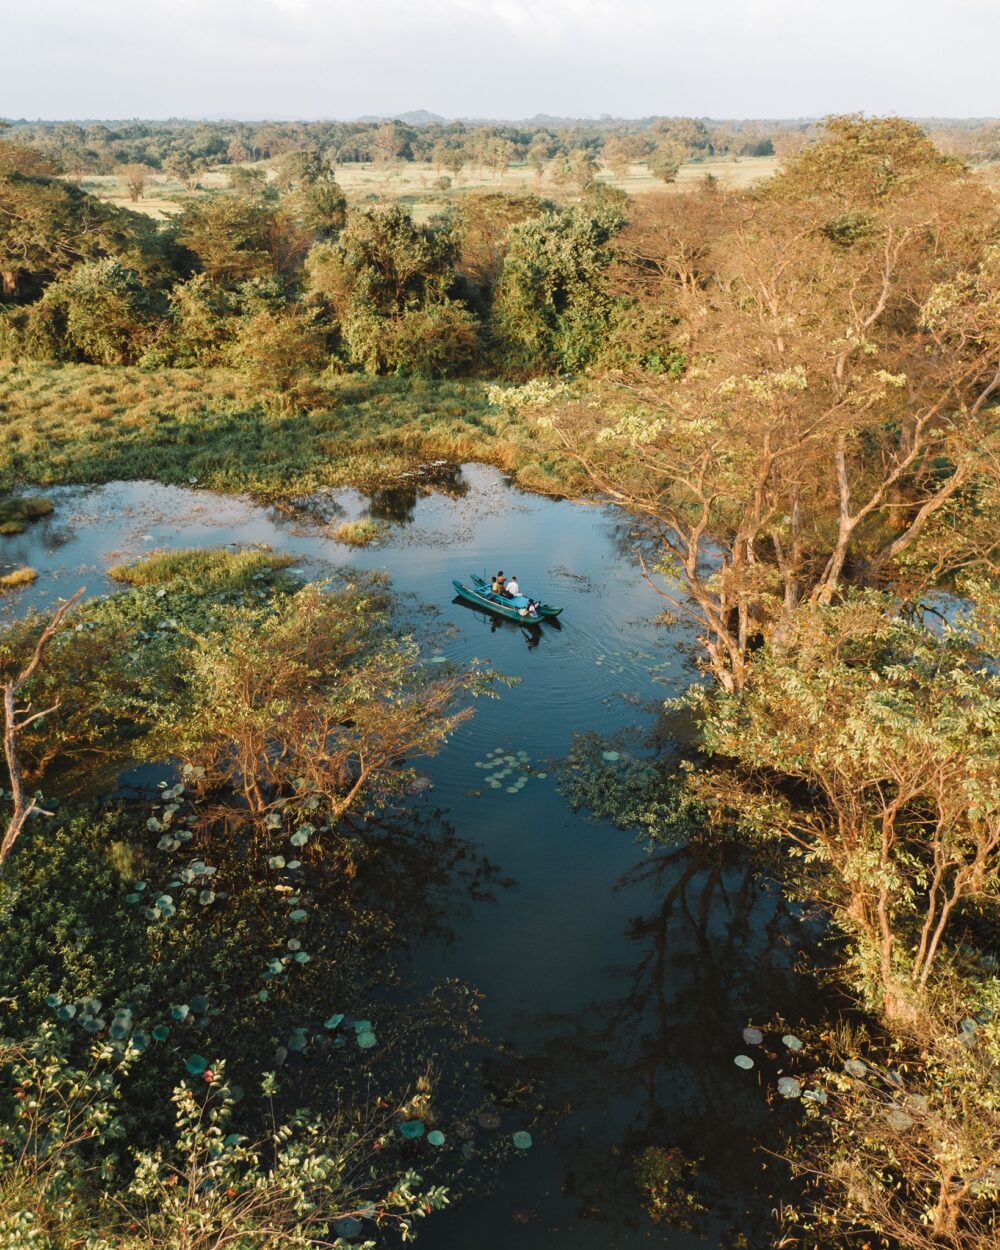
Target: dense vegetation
793 389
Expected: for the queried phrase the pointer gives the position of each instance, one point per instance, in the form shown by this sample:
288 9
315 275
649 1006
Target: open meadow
413 183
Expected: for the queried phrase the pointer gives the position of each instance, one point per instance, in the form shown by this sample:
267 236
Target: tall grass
88 423
206 567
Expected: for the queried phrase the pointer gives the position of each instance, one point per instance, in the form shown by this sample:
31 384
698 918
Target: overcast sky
497 58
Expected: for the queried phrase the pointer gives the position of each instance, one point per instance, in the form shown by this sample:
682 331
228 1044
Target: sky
507 59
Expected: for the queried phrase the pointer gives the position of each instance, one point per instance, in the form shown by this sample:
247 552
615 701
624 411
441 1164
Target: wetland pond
623 978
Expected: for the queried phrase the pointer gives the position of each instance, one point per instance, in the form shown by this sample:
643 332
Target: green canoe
485 598
482 585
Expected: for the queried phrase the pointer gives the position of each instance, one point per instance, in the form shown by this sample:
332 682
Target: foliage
833 411
552 308
201 1186
309 705
904 1146
385 286
868 746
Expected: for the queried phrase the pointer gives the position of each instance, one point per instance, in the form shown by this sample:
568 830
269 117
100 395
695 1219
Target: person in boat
530 610
498 583
512 589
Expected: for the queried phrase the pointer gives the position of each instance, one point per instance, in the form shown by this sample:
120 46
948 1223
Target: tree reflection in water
397 503
653 1065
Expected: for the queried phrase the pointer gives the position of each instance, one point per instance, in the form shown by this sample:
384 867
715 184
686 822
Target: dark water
623 979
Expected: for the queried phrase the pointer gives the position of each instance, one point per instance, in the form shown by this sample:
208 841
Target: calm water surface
623 979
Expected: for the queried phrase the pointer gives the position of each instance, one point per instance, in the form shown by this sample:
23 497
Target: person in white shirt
512 589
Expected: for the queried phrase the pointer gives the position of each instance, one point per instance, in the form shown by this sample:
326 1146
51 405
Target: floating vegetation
360 533
197 1064
412 1129
522 1140
507 765
792 1042
435 1137
789 1087
856 1068
815 1095
743 1061
752 1036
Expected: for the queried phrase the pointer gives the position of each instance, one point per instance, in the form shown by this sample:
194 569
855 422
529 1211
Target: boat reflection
533 634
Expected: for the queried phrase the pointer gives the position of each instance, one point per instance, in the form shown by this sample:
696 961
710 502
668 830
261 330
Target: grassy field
413 184
87 423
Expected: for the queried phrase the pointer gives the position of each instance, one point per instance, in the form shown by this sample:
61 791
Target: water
622 979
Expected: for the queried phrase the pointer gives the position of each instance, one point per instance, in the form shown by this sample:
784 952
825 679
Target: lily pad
412 1129
180 1011
752 1036
298 915
197 1064
348 1227
610 757
161 1033
199 1004
792 1042
366 1040
521 1140
333 1021
435 1137
743 1061
788 1087
855 1067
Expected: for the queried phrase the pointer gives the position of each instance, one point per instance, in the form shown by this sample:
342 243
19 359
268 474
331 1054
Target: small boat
483 597
481 584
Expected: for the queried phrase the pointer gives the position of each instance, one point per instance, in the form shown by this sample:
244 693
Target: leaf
412 1129
366 1040
522 1140
298 915
180 1011
197 1064
743 1061
435 1137
333 1021
161 1033
199 1004
752 1036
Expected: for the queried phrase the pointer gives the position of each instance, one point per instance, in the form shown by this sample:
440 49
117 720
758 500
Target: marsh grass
19 577
208 568
63 424
360 533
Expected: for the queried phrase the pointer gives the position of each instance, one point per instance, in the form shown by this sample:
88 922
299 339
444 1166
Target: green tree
867 747
552 307
101 312
383 269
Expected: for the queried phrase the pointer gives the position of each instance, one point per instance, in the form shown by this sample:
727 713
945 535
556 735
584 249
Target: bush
105 313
